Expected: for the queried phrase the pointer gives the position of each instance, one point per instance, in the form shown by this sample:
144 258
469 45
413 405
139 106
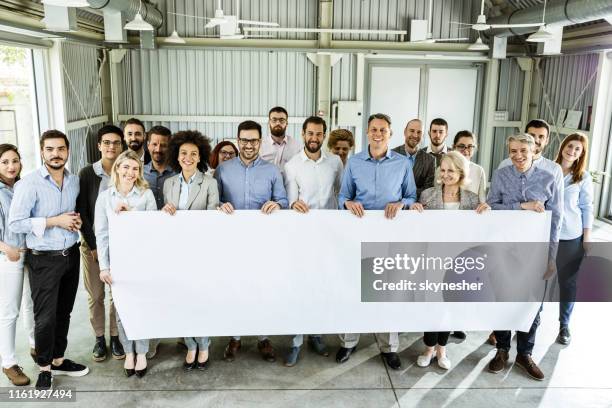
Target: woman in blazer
191 189
576 226
449 194
127 191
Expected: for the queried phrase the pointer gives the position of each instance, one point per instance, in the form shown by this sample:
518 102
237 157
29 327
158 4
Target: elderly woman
576 226
128 191
449 194
524 186
14 283
191 189
465 143
340 143
223 151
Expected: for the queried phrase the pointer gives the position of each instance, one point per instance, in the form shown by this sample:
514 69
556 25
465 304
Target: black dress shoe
189 366
344 354
393 360
202 366
99 350
129 372
459 335
141 373
564 336
117 348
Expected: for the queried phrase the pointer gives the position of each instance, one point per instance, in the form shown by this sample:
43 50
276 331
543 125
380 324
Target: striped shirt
37 197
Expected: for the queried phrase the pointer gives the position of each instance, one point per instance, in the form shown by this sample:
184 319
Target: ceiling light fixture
66 3
478 46
174 37
138 24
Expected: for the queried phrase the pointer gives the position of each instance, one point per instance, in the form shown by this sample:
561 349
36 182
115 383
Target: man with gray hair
525 186
423 164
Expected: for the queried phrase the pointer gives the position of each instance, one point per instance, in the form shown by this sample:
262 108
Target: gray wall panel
81 81
510 87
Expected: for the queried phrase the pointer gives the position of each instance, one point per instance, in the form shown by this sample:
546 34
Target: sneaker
564 336
526 363
45 380
153 346
266 350
316 343
99 350
16 376
498 363
69 368
292 357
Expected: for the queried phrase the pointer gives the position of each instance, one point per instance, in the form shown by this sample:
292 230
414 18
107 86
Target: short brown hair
53 134
339 135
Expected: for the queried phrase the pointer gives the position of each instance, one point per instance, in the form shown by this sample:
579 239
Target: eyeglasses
252 142
108 143
466 147
231 153
280 121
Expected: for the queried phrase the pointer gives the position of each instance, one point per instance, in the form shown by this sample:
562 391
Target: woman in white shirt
465 143
128 191
576 225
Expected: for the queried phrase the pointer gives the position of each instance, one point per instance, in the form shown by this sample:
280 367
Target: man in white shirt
438 131
134 132
278 148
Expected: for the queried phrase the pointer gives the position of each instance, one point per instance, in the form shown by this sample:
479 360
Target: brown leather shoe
266 350
499 361
492 340
526 363
231 350
16 375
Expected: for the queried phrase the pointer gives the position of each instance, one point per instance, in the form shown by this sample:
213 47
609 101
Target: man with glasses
438 131
423 164
278 148
465 143
376 179
93 179
248 182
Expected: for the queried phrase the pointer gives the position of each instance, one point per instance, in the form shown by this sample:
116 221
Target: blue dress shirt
578 206
376 183
250 187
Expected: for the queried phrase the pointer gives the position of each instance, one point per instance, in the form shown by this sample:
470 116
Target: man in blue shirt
43 208
376 179
525 186
157 171
248 182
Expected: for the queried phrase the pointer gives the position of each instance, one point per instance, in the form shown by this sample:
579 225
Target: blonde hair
140 183
521 137
460 163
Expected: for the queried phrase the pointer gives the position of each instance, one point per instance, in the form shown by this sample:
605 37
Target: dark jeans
569 259
433 338
54 281
524 340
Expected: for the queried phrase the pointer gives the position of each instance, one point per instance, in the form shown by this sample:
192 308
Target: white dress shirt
279 153
317 183
478 182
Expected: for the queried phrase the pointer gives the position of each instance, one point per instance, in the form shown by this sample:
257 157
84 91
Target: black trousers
54 281
434 338
524 340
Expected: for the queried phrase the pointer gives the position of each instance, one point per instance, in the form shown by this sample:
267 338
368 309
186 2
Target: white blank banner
205 273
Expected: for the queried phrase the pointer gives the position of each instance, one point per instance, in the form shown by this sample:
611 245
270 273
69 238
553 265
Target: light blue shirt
510 188
578 206
184 195
104 178
156 181
250 187
376 183
36 198
6 235
136 199
544 164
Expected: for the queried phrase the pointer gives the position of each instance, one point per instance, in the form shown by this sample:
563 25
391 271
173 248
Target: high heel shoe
141 373
189 366
129 372
202 366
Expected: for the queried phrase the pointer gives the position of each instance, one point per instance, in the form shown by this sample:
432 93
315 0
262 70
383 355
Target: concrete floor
576 376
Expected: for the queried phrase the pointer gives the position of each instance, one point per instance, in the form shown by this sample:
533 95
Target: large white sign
207 273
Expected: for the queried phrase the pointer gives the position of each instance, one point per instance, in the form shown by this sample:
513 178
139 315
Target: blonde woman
450 193
128 191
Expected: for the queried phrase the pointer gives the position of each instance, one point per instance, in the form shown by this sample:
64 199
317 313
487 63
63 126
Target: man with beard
248 182
134 132
438 130
376 179
423 164
278 148
157 170
312 180
94 179
43 208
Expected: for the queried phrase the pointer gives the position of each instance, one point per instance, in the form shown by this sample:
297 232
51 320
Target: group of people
52 221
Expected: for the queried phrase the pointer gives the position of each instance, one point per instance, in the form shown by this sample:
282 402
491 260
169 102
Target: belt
59 252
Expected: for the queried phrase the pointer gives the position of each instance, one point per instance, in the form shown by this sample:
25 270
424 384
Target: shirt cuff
39 224
516 206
